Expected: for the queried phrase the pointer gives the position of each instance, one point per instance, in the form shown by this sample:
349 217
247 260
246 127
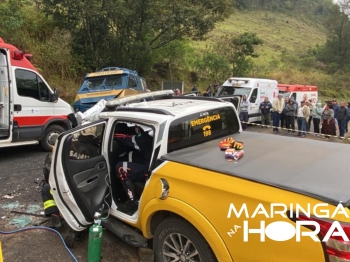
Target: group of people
325 119
209 92
212 89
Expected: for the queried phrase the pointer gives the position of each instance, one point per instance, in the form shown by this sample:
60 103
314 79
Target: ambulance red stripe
36 120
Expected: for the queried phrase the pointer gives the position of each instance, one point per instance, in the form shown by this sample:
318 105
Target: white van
30 111
256 89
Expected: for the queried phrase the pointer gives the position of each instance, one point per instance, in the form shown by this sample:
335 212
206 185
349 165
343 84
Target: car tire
70 239
50 134
176 229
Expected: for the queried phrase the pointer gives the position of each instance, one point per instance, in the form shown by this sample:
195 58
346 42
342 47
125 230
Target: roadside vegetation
299 41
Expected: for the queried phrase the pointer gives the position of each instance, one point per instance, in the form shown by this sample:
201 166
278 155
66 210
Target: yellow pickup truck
285 200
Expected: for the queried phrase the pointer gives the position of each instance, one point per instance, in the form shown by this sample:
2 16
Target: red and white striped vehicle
30 111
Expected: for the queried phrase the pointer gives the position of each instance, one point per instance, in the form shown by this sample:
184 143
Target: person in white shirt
277 106
243 113
303 115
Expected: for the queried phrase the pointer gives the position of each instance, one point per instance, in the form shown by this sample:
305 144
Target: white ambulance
256 89
299 92
30 111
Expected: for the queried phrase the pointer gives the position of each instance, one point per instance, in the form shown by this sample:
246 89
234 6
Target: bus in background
299 92
108 83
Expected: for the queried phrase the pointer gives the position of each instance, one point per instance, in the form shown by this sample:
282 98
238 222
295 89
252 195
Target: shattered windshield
102 83
230 90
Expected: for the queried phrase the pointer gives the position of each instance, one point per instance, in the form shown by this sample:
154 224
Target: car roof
164 102
181 107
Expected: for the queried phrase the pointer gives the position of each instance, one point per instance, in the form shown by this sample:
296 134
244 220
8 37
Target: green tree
336 51
176 58
130 33
23 25
213 65
239 50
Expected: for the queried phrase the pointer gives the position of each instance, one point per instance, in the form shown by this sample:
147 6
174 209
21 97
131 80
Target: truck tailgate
314 168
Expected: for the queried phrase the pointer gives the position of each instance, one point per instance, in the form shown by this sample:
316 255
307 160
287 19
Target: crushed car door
79 176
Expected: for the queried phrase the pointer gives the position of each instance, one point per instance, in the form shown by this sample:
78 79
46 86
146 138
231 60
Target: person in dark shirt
265 109
209 91
290 116
347 122
283 118
194 90
342 117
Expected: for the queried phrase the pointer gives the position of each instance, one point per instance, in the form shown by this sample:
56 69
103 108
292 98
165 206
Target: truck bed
319 169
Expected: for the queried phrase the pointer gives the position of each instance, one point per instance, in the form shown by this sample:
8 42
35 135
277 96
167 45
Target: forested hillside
292 41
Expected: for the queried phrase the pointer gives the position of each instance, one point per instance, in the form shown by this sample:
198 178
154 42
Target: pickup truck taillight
335 247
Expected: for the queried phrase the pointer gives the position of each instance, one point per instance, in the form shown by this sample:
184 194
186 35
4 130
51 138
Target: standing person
265 109
277 106
290 116
335 107
303 115
305 98
316 117
216 86
177 92
194 89
342 119
283 114
296 106
347 122
309 104
335 110
328 123
243 113
209 90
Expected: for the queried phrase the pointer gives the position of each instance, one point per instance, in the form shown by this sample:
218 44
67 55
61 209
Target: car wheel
70 239
50 136
176 240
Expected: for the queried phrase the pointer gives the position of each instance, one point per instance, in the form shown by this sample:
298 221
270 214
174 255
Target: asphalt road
19 168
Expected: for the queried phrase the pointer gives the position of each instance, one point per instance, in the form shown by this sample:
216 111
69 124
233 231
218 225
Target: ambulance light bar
237 82
18 55
138 98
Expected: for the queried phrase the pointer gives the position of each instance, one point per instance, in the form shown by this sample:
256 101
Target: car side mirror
54 97
252 99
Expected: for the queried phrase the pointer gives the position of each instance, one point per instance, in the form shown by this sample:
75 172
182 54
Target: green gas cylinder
95 240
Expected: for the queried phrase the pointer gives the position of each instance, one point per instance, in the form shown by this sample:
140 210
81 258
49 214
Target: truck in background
30 111
108 83
299 92
256 89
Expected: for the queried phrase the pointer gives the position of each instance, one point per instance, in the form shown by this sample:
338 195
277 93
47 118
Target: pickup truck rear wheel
50 136
176 240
